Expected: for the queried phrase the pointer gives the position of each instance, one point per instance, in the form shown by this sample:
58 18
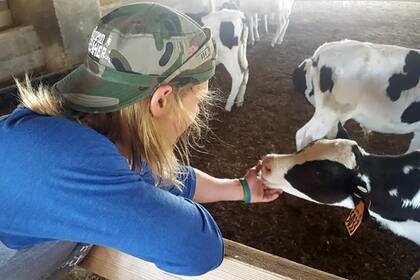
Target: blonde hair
147 142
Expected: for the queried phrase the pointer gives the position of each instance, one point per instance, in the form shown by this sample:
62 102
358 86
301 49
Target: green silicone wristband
247 192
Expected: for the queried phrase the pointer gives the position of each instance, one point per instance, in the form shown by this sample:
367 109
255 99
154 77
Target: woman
94 160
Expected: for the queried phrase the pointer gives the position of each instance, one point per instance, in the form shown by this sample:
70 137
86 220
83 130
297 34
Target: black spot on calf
323 180
412 113
386 173
169 49
299 78
407 80
227 34
326 82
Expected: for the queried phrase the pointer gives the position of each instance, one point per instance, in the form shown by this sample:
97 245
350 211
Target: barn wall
63 27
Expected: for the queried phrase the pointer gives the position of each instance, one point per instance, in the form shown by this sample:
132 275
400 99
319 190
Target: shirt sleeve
90 195
188 180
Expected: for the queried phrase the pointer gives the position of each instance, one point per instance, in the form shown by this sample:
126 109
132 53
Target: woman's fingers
270 197
271 191
271 194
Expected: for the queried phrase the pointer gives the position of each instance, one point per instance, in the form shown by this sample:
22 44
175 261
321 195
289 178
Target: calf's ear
299 79
341 132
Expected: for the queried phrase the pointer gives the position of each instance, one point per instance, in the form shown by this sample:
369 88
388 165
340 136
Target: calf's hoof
228 108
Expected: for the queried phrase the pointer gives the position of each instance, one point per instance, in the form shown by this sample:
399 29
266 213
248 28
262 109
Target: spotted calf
279 9
376 85
231 35
340 173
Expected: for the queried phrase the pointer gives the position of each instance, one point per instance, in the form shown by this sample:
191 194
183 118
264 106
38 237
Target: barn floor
310 234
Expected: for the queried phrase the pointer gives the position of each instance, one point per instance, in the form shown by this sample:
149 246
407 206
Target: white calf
282 16
231 35
376 85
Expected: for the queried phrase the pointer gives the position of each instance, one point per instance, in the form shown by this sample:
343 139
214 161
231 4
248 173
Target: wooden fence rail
241 263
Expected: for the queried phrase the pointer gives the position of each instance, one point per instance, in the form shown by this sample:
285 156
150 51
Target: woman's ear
159 103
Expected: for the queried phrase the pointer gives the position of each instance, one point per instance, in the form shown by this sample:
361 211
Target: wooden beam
18 41
19 65
241 263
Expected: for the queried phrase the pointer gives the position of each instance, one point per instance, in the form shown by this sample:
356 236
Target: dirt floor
310 234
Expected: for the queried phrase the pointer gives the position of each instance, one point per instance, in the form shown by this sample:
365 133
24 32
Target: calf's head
302 80
324 172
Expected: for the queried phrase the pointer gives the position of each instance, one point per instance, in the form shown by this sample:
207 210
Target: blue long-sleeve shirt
60 180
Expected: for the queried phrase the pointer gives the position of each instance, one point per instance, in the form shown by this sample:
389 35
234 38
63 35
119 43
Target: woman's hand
212 189
259 191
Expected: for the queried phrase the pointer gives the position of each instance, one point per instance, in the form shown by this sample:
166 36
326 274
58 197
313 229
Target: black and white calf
335 172
231 34
376 85
280 9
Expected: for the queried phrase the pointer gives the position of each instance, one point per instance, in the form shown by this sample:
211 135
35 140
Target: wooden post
241 263
5 15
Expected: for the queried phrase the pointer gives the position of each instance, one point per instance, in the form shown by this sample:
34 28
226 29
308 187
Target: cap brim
86 91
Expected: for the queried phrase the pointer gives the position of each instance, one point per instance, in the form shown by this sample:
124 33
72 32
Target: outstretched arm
212 189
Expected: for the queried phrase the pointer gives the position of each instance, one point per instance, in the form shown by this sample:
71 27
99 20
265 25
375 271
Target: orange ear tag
355 218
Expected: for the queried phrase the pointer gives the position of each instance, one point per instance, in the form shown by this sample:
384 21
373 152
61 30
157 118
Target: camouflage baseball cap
133 50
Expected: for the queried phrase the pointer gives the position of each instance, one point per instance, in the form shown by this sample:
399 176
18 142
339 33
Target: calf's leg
233 68
257 34
240 98
266 24
283 23
283 32
250 20
322 124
